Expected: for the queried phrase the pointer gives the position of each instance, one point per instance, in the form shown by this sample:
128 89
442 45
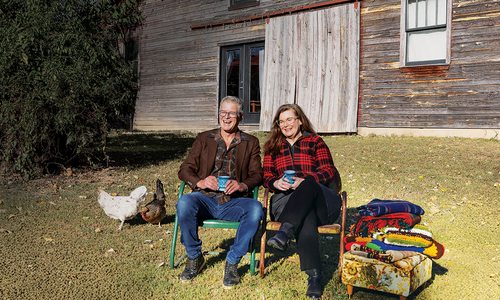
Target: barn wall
464 94
179 66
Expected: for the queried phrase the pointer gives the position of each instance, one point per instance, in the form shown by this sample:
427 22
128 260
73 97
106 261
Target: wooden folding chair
211 223
325 229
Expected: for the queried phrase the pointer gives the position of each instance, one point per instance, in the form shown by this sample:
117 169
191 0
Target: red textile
367 225
311 157
349 245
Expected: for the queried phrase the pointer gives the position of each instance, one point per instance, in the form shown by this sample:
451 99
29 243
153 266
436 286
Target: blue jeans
196 206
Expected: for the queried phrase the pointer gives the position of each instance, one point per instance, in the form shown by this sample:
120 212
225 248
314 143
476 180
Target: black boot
231 277
193 268
282 238
314 288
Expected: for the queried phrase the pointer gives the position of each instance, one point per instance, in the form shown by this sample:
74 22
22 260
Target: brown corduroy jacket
201 160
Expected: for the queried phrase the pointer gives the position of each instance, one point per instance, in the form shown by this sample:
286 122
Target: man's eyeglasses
286 121
231 114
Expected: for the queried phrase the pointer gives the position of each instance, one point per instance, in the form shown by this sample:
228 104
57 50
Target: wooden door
312 59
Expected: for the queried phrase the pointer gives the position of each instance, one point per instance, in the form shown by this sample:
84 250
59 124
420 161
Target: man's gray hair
236 101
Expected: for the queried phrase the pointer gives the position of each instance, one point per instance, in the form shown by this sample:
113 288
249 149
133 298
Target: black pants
308 207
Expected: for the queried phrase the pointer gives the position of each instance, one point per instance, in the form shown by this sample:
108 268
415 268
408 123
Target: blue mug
289 174
222 181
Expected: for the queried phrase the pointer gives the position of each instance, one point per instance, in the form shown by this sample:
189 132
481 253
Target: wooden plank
463 95
324 61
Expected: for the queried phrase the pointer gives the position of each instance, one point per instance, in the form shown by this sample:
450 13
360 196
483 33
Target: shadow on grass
329 248
141 149
329 245
138 220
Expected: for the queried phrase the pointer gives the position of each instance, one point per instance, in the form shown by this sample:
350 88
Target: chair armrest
182 186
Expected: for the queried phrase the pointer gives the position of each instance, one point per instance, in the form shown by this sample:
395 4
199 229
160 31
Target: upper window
238 4
425 32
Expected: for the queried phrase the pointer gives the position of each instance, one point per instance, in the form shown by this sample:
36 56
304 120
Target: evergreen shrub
62 80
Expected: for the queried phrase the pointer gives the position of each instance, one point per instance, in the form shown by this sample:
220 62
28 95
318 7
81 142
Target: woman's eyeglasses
231 114
286 121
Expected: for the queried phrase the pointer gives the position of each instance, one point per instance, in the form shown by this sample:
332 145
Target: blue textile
196 206
378 207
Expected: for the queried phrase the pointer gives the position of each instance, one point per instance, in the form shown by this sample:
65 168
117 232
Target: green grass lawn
57 243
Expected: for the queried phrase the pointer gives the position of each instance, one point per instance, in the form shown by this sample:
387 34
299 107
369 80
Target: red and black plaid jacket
311 157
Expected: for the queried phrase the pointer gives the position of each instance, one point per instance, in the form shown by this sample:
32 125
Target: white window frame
404 38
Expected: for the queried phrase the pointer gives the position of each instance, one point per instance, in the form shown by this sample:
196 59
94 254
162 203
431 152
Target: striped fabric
378 207
436 250
419 229
407 239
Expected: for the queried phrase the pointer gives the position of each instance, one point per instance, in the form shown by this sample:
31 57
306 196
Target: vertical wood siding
463 95
312 60
179 67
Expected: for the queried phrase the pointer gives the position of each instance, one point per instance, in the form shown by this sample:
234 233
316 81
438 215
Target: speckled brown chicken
155 211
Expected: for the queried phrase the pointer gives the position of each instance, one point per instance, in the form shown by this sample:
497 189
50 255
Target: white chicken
122 207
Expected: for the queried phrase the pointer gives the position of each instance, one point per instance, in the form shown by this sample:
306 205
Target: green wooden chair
211 223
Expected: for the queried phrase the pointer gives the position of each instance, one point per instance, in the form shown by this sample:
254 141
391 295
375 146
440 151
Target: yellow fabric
400 278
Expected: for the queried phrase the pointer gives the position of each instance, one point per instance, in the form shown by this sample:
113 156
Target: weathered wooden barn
428 67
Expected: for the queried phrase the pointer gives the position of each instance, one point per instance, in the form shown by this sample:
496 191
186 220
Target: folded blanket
378 207
367 225
418 236
348 246
407 239
436 250
381 246
389 256
356 239
399 255
420 229
364 251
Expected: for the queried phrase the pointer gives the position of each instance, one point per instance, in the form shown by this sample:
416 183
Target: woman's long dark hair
275 136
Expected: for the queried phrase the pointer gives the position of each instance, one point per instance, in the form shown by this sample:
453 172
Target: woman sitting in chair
305 201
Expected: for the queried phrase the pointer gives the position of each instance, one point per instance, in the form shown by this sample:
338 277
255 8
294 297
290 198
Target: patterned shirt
225 164
225 159
308 156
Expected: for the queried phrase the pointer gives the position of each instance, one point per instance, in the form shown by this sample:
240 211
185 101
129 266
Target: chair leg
262 263
252 259
174 242
343 197
349 290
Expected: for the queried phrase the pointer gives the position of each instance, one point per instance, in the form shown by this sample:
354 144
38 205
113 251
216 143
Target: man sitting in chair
225 151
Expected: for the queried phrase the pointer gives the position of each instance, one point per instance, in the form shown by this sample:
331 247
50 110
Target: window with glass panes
426 32
241 75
